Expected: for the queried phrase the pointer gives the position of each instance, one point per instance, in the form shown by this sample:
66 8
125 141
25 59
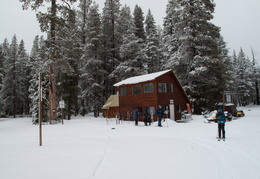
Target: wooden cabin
147 92
111 107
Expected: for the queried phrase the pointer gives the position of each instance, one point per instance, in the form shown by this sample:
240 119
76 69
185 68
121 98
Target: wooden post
62 115
40 107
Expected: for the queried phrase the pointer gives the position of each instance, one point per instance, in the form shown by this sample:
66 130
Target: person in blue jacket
136 116
160 113
221 124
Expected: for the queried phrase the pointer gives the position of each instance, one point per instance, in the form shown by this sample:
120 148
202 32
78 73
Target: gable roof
141 78
149 77
111 102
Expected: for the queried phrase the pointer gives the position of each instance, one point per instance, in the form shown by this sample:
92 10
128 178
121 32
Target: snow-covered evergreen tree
152 44
51 22
82 19
111 40
39 64
23 101
1 75
195 55
14 79
92 78
243 77
170 42
67 64
139 22
9 90
1 67
131 50
4 51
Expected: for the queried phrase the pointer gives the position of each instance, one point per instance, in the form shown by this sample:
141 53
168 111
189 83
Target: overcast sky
239 21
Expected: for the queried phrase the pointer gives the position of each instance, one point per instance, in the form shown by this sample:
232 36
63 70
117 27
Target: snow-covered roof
111 102
141 78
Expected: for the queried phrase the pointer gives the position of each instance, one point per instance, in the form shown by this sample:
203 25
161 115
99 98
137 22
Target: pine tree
92 82
39 64
138 21
170 41
197 56
111 39
152 44
131 50
82 19
9 90
4 51
161 49
67 63
1 75
22 80
244 78
234 82
1 67
256 97
51 23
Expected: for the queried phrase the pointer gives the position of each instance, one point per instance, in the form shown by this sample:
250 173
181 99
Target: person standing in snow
136 116
221 124
147 119
159 113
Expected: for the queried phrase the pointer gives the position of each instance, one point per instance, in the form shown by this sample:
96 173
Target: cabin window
123 91
170 87
150 110
148 88
162 88
136 89
178 108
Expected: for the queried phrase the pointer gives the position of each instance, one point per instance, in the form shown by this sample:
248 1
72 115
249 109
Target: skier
221 124
159 115
136 116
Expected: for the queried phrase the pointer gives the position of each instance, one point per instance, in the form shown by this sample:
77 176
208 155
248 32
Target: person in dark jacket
221 124
159 113
147 118
136 116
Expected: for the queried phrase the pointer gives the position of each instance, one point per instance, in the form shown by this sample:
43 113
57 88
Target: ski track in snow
99 164
103 156
97 148
218 148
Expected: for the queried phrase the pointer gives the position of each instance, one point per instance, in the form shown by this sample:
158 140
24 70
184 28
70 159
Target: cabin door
172 112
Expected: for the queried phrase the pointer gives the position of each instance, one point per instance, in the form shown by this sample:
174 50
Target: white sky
239 21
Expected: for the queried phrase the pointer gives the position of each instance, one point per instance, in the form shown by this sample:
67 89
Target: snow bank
88 148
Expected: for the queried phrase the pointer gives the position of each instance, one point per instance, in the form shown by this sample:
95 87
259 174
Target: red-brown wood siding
178 94
112 112
127 103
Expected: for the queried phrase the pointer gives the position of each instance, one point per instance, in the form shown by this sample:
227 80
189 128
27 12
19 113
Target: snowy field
94 148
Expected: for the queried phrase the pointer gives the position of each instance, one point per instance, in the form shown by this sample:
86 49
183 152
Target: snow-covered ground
96 148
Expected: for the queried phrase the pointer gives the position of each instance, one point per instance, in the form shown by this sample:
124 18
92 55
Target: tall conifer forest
88 49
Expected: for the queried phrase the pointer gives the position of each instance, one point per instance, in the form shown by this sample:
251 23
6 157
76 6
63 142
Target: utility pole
40 108
256 82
